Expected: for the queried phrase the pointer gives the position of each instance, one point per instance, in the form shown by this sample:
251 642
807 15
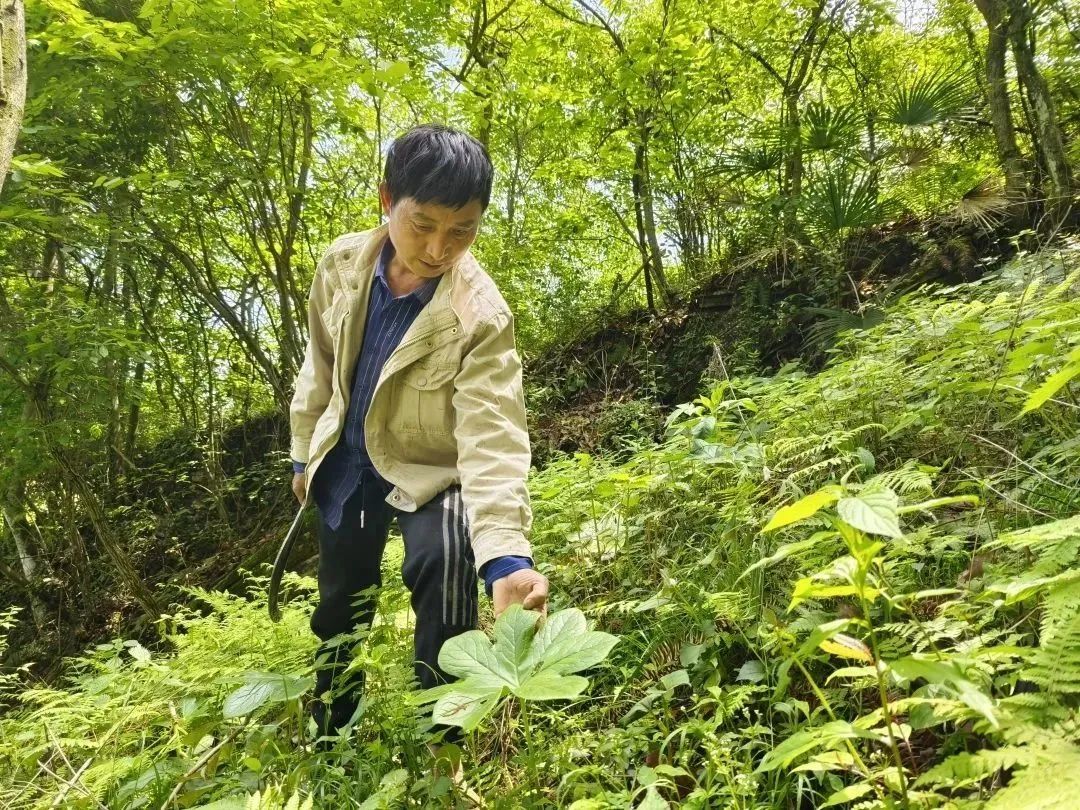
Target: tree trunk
646 217
116 363
791 181
791 122
997 97
483 133
509 239
131 427
1050 142
12 79
289 296
149 310
376 148
16 523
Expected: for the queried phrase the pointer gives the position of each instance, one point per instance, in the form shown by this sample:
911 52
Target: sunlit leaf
525 662
846 646
803 508
871 512
1054 383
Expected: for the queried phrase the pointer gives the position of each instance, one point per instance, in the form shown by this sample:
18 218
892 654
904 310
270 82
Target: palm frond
842 201
756 158
826 128
829 324
732 198
985 203
913 156
930 99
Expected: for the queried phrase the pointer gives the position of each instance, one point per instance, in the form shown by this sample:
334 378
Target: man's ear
384 198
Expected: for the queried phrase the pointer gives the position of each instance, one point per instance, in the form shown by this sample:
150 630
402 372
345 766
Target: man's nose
436 248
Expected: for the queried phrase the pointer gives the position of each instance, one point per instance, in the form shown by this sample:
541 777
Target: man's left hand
527 587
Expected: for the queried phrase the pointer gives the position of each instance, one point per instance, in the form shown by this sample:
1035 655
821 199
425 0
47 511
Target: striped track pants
439 571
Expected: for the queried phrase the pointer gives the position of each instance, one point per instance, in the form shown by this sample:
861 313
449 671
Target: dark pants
438 571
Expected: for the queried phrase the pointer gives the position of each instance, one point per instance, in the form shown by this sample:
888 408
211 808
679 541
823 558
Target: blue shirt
388 319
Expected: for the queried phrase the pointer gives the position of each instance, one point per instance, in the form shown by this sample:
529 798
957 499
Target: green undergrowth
851 588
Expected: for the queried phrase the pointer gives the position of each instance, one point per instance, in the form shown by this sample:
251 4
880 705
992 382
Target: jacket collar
357 273
424 293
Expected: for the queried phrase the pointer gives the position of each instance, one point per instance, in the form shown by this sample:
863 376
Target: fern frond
1050 783
821 466
666 654
664 657
1039 537
906 480
733 699
965 768
1055 666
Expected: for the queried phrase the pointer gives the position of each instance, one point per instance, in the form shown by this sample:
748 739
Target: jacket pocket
334 315
423 395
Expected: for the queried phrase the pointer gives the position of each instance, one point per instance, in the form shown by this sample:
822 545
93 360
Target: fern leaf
1051 784
966 768
1055 666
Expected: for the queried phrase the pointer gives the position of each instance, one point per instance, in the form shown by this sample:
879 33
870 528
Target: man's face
428 237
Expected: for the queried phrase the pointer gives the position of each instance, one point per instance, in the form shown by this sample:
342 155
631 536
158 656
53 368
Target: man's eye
460 232
424 228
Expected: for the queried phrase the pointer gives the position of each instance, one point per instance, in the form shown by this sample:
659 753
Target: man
409 405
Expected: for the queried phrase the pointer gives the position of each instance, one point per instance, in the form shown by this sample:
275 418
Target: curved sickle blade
280 561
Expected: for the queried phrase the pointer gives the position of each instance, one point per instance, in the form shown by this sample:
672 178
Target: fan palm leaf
913 156
985 204
930 98
829 324
827 128
753 159
842 201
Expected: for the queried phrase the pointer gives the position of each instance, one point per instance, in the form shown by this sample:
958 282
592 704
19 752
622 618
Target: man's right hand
299 486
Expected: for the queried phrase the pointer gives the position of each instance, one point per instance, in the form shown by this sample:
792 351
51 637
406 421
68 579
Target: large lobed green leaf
523 661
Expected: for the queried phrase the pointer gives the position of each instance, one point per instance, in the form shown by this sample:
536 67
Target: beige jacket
448 407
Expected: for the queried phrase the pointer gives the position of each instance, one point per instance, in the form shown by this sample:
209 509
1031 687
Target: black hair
437 164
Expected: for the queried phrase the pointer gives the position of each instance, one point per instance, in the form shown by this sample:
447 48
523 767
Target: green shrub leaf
1054 383
261 688
871 512
803 508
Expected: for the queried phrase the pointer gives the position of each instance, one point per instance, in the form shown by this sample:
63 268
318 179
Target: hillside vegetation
857 587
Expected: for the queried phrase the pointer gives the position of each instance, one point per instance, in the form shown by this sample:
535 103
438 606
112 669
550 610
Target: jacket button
397 497
421 380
